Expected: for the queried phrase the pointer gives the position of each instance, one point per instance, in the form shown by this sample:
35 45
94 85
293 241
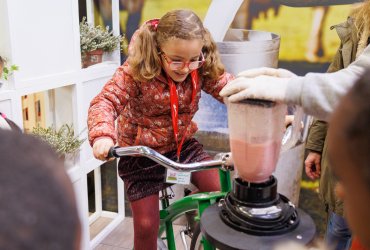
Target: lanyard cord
175 108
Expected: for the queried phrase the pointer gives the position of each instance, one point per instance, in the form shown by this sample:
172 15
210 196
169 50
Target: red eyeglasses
178 65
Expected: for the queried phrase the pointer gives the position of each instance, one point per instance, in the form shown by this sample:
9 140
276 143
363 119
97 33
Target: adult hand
261 83
265 71
101 148
313 165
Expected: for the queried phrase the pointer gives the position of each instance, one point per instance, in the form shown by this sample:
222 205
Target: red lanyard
175 108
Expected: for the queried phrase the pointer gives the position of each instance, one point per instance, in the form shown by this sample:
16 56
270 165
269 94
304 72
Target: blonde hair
361 16
144 52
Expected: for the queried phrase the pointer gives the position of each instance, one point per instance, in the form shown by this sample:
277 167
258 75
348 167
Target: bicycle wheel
196 239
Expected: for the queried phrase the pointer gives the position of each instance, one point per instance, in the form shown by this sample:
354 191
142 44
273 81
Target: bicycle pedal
172 194
165 195
188 232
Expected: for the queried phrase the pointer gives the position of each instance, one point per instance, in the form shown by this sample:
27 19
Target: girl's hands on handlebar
101 148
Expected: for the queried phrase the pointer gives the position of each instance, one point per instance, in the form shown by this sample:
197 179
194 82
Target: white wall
4 30
6 108
89 89
63 106
43 37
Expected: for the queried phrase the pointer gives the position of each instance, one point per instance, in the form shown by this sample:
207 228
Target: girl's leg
145 213
207 180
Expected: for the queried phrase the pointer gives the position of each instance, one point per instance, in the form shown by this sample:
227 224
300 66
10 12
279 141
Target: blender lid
312 3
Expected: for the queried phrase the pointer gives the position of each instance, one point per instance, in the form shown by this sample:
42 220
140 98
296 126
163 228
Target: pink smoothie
255 162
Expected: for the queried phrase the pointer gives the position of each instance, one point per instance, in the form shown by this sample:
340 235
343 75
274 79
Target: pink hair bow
153 23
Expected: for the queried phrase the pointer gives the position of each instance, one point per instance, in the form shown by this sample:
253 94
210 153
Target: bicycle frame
199 201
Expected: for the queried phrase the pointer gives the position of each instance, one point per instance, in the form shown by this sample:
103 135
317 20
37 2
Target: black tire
197 237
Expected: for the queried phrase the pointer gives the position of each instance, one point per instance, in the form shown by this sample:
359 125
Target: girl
154 96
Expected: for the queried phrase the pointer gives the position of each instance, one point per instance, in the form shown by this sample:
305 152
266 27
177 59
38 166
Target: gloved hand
265 71
101 148
261 83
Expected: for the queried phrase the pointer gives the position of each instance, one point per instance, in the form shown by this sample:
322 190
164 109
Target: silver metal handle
221 159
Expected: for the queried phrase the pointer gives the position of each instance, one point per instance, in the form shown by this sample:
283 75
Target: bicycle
199 201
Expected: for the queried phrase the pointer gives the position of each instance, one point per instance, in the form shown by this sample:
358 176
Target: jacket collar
345 29
349 40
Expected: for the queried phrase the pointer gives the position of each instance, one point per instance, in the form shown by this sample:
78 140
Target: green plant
9 71
96 37
63 140
6 70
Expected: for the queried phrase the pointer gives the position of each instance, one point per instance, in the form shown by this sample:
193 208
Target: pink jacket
143 110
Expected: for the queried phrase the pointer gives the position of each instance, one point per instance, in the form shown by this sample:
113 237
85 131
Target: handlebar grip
112 153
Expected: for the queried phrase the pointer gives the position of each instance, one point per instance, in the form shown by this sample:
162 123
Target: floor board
122 237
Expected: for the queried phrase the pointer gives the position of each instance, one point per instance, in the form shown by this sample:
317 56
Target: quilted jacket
142 110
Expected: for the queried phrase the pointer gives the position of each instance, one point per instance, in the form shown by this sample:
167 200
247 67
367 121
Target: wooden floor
122 237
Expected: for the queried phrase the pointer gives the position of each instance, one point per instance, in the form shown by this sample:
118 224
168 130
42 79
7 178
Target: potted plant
94 41
6 70
63 140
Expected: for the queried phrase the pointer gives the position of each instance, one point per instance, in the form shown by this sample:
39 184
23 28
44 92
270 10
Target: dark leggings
145 211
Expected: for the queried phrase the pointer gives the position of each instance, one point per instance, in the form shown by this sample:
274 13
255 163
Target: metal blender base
224 237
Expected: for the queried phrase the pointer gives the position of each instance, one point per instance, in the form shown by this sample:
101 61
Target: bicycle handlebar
221 159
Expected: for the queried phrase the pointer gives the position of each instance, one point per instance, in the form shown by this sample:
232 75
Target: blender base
225 237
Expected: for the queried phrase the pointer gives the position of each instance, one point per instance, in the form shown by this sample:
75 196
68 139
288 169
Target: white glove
101 148
264 71
263 83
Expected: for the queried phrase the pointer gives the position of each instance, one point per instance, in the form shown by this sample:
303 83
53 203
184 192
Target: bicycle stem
220 159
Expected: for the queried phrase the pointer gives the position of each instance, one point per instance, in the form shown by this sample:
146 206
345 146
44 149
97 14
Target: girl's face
180 50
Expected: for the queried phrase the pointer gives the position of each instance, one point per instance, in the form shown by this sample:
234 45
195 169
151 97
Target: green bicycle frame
199 201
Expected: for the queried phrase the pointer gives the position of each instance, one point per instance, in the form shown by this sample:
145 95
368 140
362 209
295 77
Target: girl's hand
101 148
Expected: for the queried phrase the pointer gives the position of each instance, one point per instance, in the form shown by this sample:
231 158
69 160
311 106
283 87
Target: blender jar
256 130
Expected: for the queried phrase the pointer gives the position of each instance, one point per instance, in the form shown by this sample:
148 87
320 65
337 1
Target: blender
254 215
256 129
